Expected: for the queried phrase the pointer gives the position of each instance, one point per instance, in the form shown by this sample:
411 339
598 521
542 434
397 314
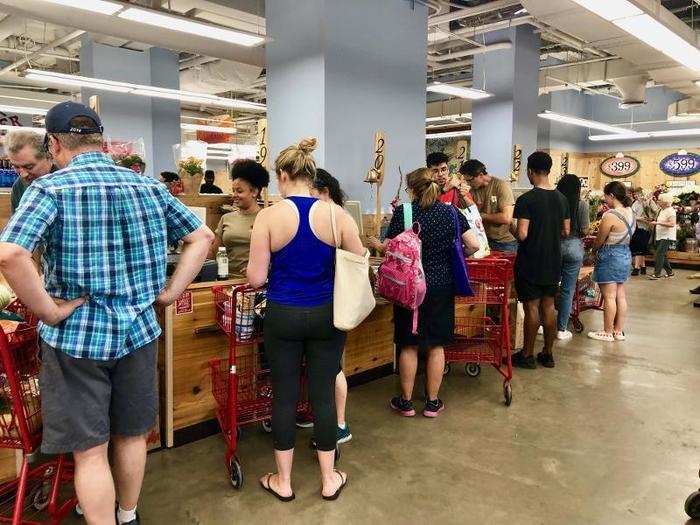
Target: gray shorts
84 401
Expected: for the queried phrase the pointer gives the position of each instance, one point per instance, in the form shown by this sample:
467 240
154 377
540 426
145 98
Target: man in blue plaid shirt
105 230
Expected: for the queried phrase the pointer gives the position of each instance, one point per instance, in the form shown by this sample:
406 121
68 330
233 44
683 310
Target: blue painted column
156 121
341 70
510 116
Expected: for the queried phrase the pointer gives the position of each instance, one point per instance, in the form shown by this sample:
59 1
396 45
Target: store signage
262 142
619 166
564 164
517 162
462 152
681 164
376 172
183 304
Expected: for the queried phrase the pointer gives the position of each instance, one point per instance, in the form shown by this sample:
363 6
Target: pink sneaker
433 408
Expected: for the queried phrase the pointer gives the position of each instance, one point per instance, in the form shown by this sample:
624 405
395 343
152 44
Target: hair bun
307 145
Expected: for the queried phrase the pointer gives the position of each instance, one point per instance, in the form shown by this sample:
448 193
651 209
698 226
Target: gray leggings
290 334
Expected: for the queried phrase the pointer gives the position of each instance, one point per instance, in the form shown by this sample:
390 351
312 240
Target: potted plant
191 174
133 162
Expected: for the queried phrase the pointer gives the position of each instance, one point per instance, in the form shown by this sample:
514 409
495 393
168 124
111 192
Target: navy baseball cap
58 119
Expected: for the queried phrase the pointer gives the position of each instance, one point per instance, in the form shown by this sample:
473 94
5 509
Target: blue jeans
510 247
571 261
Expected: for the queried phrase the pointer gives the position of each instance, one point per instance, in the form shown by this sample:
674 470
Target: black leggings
290 333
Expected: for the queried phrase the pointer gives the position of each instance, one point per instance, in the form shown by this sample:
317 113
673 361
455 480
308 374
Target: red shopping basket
20 429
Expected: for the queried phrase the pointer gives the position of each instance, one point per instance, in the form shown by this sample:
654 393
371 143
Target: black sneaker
669 275
635 271
695 291
545 359
433 408
403 407
644 270
520 361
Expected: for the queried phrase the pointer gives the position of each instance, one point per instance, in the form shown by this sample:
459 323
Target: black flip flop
285 499
336 494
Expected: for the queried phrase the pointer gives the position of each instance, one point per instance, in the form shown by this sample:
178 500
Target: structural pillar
510 116
340 71
127 117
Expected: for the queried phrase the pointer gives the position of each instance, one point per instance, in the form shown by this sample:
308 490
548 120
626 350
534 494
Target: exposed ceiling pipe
578 63
43 49
57 56
471 32
471 11
9 26
471 52
568 39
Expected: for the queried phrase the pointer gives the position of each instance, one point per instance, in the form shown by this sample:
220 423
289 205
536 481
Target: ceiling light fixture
584 123
23 110
449 134
690 132
137 89
458 91
213 129
186 25
96 6
441 118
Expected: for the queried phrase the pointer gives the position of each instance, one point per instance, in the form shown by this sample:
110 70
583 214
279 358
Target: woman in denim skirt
572 251
614 260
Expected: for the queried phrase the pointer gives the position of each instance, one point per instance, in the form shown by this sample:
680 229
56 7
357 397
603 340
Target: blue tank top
302 273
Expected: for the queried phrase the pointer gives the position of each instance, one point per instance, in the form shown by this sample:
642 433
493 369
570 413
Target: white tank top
624 236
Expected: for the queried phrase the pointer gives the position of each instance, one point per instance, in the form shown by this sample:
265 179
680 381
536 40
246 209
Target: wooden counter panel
371 344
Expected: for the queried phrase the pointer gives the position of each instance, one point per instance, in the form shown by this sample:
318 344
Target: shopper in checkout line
666 228
645 209
614 260
98 330
543 221
436 315
452 189
30 160
494 198
294 243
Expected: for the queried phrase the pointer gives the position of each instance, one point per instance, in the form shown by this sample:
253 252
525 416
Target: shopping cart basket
587 296
20 429
241 383
482 327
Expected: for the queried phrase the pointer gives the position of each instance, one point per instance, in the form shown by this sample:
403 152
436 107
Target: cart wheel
236 473
692 505
266 425
472 369
507 393
578 325
40 499
447 369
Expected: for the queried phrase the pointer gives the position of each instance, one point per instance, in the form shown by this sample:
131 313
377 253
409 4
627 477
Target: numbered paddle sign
621 167
681 164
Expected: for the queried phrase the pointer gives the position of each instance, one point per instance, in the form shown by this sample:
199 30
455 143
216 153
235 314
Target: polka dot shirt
437 236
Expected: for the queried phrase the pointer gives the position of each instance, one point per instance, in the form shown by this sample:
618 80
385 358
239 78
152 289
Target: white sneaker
563 335
601 336
619 336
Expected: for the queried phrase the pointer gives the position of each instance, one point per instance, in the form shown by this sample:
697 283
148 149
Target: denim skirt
613 264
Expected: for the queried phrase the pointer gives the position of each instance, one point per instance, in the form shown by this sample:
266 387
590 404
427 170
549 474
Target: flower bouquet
191 174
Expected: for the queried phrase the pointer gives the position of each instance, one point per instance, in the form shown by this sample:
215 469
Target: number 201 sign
681 165
619 166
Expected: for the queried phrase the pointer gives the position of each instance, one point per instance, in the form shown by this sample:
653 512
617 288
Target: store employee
234 229
209 186
30 160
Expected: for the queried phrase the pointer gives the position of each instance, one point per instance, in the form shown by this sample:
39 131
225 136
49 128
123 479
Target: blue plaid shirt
105 231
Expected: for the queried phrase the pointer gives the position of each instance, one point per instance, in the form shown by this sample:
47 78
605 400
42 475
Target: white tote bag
353 299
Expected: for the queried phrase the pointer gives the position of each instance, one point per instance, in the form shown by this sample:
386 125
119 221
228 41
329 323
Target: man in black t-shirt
543 219
209 186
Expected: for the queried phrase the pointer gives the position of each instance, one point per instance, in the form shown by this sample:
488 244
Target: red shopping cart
482 327
587 296
241 383
33 497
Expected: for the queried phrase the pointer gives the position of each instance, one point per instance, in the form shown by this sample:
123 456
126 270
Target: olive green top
233 232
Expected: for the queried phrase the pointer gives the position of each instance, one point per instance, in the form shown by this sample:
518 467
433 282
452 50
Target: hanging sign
376 172
619 166
564 164
262 142
681 164
462 152
517 162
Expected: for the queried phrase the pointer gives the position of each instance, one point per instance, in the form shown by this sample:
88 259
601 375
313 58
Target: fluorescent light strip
192 27
5 127
96 6
467 116
23 109
584 123
656 35
138 89
610 9
637 135
449 134
458 91
213 129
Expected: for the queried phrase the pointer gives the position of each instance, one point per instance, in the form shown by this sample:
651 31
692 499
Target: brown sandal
336 494
276 494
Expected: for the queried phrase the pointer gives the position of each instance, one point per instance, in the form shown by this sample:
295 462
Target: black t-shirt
539 255
437 234
209 188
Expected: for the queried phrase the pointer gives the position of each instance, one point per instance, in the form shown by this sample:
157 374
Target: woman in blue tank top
292 247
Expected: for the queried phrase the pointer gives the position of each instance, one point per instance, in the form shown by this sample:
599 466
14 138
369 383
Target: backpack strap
407 215
624 221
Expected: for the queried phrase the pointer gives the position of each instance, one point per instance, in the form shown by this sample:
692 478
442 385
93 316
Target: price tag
619 167
681 164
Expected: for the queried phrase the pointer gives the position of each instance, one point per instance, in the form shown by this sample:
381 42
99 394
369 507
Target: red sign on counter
183 305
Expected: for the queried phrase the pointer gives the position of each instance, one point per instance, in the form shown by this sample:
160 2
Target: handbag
353 298
459 264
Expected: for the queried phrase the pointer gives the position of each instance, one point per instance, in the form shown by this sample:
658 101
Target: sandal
336 494
276 494
600 335
619 336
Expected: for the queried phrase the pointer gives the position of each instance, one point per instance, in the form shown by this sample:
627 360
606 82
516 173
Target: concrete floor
610 436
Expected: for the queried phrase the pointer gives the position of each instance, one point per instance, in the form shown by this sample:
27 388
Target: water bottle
222 264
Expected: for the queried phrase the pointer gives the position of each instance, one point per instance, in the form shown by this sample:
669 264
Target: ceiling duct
218 77
684 110
633 89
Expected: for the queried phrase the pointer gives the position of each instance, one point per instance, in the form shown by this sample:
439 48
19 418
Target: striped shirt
105 231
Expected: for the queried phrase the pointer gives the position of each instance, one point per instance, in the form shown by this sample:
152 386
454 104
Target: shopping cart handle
207 329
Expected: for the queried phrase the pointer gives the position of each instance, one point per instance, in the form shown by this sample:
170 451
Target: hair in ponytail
422 187
619 191
297 161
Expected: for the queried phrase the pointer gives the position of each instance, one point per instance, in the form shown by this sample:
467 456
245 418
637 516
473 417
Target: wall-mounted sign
376 172
517 162
462 148
681 164
619 166
564 164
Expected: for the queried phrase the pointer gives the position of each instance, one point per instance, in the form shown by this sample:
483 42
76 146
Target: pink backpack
400 278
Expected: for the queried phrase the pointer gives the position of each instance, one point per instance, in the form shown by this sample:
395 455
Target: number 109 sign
681 164
619 166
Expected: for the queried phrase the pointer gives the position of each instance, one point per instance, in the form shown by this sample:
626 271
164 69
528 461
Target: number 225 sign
681 164
619 166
